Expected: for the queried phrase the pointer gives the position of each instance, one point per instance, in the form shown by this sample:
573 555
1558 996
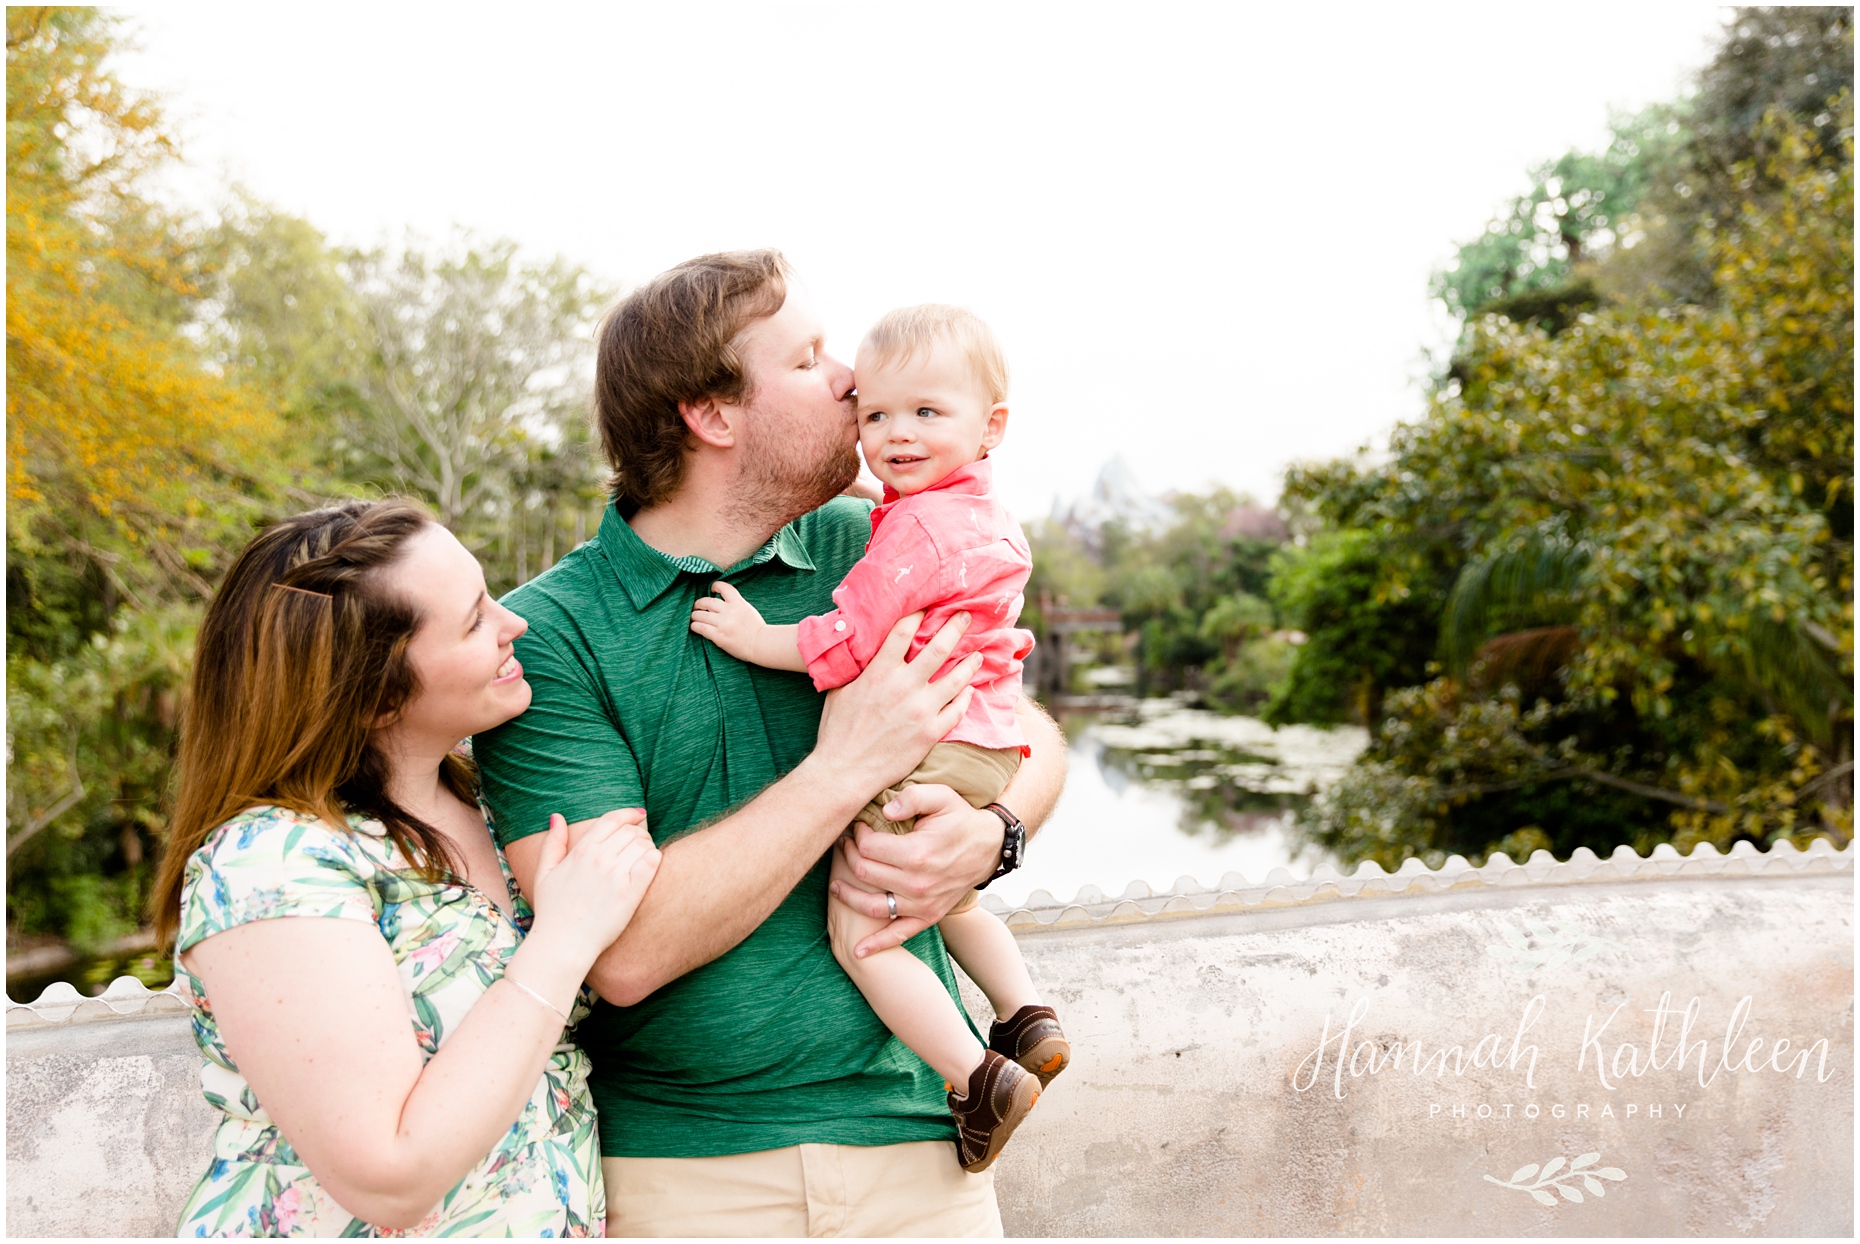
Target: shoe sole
1047 1059
1026 1093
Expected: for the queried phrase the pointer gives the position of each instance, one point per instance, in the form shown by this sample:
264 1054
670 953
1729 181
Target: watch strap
1011 828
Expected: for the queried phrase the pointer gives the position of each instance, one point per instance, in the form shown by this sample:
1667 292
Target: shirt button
840 625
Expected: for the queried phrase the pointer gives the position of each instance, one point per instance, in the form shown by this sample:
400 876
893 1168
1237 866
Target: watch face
1015 847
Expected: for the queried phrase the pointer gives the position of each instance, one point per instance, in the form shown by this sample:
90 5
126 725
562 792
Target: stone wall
1374 1054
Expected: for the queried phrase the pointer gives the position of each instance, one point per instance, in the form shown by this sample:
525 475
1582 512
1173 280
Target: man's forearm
1037 784
716 886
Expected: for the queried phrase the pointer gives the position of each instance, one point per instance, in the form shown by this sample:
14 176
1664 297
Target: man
744 1086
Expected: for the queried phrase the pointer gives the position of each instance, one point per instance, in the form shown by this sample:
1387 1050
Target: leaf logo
1541 946
1554 1175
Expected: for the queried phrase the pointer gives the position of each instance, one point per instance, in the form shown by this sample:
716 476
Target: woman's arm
315 1016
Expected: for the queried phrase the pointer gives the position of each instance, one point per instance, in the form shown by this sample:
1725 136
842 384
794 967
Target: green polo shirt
770 1044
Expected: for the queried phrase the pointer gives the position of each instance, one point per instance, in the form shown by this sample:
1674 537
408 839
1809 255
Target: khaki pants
804 1190
978 774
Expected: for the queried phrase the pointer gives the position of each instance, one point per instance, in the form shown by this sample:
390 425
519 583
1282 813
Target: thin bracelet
532 993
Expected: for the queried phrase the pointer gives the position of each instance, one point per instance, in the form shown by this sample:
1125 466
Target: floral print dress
451 942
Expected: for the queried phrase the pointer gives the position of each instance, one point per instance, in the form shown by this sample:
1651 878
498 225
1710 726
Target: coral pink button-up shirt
950 548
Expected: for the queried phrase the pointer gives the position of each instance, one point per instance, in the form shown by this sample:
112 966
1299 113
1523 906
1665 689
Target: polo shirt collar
646 573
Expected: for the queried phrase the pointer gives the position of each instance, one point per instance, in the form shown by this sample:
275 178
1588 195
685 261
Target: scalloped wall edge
1187 897
128 998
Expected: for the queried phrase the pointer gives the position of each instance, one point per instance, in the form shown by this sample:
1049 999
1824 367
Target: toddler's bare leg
985 949
903 991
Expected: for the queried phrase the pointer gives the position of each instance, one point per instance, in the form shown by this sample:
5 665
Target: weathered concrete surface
106 1129
1186 1111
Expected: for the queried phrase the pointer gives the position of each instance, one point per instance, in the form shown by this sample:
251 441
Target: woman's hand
588 883
876 728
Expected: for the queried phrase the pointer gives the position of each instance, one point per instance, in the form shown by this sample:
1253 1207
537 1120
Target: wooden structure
1049 672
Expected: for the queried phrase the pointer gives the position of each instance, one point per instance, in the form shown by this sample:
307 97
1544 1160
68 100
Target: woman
391 1057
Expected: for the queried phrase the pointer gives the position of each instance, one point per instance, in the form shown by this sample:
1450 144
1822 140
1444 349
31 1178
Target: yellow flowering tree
133 469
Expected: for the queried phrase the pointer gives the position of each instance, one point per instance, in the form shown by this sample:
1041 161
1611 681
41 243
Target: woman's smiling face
923 417
462 653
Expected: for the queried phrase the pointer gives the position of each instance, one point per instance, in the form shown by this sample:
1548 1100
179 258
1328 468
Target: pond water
1156 791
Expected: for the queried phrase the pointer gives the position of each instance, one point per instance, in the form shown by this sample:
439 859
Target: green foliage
134 469
1527 263
172 384
455 373
1647 521
1633 221
477 360
1193 594
1795 61
1369 613
1509 589
90 734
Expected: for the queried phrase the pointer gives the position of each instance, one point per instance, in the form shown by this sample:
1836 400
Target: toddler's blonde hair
899 335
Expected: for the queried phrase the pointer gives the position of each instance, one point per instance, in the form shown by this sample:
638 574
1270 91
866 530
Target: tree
1790 60
1648 517
1531 263
1370 618
133 470
281 314
1634 220
477 362
117 436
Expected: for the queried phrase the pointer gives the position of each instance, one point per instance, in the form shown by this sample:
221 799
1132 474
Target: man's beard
782 479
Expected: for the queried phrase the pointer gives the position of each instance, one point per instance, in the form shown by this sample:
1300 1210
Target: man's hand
876 728
953 849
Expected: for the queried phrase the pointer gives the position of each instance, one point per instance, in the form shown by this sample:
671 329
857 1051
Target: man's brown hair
672 340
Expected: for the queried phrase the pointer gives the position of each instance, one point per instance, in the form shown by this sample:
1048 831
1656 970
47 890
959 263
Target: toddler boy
932 402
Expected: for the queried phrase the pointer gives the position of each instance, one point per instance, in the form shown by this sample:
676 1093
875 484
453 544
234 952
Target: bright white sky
1203 233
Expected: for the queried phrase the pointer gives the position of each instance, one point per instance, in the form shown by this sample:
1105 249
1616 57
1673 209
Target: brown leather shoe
1033 1039
1000 1095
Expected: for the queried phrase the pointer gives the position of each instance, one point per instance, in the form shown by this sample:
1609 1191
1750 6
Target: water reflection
1233 775
1158 792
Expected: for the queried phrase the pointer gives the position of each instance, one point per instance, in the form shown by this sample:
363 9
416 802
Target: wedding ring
891 904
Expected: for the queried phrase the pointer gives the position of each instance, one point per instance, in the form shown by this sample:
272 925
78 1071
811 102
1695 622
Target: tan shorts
978 774
803 1190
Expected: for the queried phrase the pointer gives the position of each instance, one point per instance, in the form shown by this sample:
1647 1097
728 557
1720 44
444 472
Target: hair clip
306 591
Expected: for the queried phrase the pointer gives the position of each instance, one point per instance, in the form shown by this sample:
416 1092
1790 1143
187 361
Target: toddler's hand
728 621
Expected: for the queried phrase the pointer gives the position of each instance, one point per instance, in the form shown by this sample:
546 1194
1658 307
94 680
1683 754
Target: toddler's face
922 418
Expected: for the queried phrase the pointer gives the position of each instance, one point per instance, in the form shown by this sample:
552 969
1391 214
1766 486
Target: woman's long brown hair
303 652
